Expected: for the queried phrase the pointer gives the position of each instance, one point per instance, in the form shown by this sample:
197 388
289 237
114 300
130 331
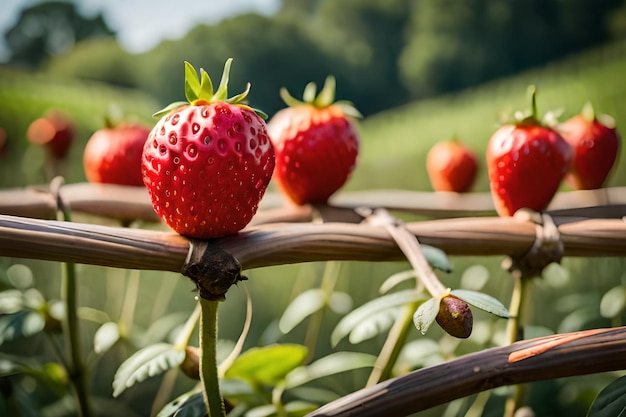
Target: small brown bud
455 317
191 364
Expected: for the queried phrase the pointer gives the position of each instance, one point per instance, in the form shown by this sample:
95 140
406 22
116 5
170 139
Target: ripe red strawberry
316 144
54 131
526 162
451 166
113 155
596 144
207 163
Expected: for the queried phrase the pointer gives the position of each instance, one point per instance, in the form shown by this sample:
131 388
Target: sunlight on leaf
374 325
189 404
329 365
611 402
474 277
267 365
300 308
396 279
613 302
24 323
358 315
106 336
147 362
426 314
340 302
482 301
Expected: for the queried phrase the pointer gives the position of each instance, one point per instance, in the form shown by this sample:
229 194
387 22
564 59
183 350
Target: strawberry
207 163
526 162
451 166
54 131
113 154
316 144
596 144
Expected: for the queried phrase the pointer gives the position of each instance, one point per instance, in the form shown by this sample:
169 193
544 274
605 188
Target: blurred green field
394 145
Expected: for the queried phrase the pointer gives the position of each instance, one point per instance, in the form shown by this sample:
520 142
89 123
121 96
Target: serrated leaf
300 308
611 401
105 337
24 323
426 314
192 85
189 404
374 325
482 301
329 365
267 365
351 320
147 362
11 301
613 302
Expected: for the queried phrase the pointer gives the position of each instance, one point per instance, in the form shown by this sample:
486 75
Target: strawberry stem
532 91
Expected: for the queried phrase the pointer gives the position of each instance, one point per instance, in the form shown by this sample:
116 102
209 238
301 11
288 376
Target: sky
142 24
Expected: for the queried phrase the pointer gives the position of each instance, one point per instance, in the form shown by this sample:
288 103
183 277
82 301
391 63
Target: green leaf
105 337
24 323
351 320
289 100
163 327
327 94
169 108
374 325
192 85
206 86
20 276
396 279
611 401
340 302
241 97
11 301
235 388
189 404
474 277
426 314
147 362
300 308
308 96
267 365
222 91
329 365
482 301
613 302
436 258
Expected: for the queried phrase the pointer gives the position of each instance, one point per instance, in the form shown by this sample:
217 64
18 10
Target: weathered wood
280 243
573 354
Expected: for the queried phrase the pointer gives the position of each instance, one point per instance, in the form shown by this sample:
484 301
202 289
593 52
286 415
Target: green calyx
199 91
325 98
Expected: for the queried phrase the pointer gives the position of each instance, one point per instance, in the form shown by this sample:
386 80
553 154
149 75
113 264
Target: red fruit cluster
113 155
207 163
451 166
316 145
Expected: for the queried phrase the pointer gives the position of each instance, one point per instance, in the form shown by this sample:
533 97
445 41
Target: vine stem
515 332
208 358
75 367
394 343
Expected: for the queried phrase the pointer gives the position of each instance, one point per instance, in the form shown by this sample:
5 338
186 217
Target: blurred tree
101 59
50 28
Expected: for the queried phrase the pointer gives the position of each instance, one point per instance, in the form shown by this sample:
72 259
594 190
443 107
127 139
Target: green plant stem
71 331
390 351
515 332
130 300
208 358
329 279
